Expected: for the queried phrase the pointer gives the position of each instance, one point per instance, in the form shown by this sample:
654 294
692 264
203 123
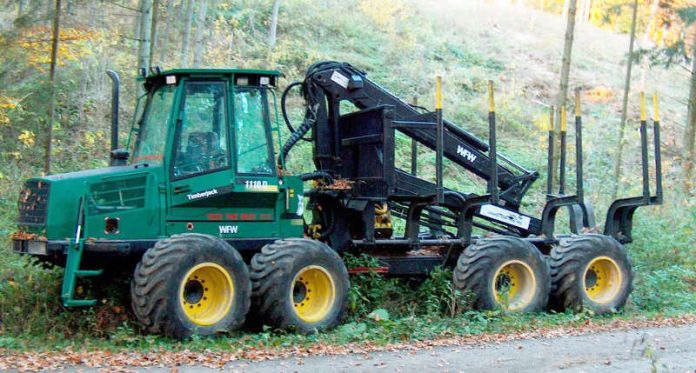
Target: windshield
152 130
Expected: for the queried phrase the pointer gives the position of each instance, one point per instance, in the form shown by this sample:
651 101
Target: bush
30 303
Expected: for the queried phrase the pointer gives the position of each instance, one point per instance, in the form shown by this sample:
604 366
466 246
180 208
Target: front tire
504 272
191 284
590 271
299 284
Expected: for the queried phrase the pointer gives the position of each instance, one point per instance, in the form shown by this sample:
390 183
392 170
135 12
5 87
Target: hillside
402 45
529 44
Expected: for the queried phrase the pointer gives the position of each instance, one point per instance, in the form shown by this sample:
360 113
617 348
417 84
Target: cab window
251 124
152 128
201 139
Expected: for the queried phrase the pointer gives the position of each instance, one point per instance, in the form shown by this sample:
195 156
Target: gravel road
666 349
624 347
670 349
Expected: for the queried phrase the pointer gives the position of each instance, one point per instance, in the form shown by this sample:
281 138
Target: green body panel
150 202
203 162
66 190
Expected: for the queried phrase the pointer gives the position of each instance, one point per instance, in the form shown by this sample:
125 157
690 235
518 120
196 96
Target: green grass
409 310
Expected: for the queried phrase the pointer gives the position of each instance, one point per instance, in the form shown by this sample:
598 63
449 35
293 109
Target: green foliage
439 295
30 303
664 256
670 288
614 15
371 290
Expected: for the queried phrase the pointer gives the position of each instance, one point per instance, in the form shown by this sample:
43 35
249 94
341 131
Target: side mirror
119 157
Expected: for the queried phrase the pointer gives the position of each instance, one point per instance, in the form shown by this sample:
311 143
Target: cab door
256 180
200 166
222 181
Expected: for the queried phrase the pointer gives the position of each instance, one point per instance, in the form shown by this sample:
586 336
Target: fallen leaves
123 360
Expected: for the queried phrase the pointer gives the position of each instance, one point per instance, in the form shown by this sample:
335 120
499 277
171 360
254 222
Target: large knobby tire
191 284
299 284
590 271
504 272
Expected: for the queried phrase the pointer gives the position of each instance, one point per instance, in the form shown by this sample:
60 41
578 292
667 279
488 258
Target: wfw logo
471 157
229 229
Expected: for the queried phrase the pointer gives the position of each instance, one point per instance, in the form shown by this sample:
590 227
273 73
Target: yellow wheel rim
514 285
206 293
602 279
312 293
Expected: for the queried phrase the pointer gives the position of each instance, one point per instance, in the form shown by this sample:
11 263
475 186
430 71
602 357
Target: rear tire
191 284
299 284
590 271
504 272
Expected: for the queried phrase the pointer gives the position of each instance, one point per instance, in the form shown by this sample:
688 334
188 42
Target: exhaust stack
119 157
115 93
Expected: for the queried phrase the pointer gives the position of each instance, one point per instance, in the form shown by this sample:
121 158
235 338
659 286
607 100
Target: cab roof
242 77
190 72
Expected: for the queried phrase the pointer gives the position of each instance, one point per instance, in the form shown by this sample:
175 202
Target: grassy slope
529 43
468 44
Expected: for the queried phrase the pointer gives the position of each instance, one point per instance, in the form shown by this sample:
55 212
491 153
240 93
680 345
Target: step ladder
72 263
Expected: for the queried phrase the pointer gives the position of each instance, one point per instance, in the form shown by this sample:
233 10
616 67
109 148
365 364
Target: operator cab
211 132
201 141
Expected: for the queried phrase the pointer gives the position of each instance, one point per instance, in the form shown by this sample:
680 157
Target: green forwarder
200 209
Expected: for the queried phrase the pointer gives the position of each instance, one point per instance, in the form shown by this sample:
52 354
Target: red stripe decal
248 216
214 216
359 270
234 216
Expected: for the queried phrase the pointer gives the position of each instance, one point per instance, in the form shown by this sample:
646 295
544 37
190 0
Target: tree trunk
153 31
22 7
52 75
565 71
581 11
167 30
588 10
274 24
200 26
143 36
624 106
690 130
645 42
252 22
183 60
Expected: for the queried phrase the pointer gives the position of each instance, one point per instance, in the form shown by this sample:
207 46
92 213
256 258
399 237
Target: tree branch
123 6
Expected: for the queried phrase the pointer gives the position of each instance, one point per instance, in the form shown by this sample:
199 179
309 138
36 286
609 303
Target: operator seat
203 151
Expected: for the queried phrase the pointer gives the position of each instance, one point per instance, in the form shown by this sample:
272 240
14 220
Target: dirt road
644 350
665 349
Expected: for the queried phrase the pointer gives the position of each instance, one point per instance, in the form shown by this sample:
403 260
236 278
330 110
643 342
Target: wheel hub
313 293
193 292
602 279
206 293
514 285
300 292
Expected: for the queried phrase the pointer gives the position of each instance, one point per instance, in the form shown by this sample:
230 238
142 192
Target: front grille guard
33 204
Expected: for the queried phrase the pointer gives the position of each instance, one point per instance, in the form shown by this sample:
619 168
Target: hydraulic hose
317 175
283 107
310 119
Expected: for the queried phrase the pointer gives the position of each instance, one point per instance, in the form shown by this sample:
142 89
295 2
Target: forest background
63 104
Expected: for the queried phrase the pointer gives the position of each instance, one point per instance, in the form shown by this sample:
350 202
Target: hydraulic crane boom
328 83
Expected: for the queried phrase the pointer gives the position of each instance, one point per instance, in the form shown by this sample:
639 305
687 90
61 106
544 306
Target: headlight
37 248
